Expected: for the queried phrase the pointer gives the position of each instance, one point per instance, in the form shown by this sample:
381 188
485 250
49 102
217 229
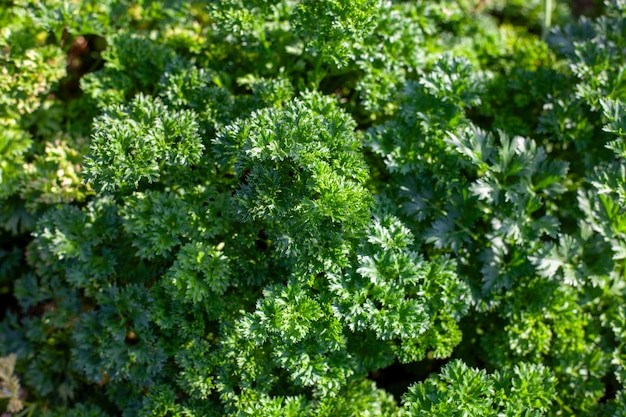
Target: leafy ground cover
312 208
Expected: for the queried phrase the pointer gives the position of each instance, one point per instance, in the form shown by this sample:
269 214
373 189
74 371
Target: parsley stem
547 18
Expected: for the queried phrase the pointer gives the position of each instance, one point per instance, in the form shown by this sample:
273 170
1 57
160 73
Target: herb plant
273 208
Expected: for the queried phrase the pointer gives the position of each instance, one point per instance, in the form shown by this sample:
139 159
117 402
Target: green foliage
136 143
133 64
30 69
525 390
329 27
116 342
264 208
300 176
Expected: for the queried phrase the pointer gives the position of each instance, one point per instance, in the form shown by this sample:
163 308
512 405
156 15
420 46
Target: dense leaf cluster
262 208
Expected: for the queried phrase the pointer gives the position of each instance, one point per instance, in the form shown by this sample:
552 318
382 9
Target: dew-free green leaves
312 208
